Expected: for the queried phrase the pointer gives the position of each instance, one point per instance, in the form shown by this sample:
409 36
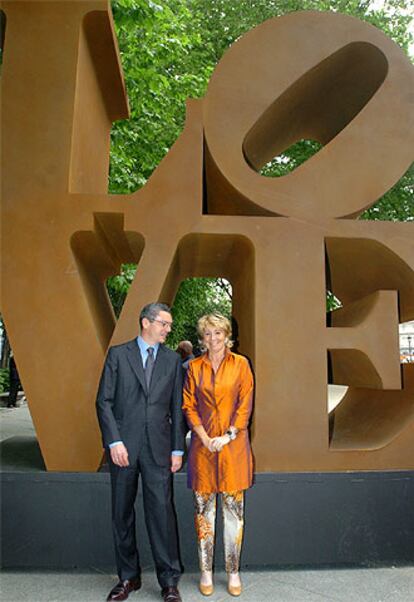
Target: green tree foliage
291 158
155 42
398 203
196 297
118 286
169 50
332 302
4 380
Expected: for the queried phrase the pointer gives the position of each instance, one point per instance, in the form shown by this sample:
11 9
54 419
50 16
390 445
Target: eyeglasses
163 323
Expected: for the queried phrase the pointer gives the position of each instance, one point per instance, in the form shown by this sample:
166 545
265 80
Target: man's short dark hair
152 310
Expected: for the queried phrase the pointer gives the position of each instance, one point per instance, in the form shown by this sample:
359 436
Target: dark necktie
149 366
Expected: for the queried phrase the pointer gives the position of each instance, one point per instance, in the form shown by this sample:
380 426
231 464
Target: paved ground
15 421
340 585
383 584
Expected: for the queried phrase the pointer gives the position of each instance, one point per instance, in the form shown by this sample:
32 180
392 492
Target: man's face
156 331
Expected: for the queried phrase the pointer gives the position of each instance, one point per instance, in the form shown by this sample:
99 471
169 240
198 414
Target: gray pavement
15 421
339 585
381 584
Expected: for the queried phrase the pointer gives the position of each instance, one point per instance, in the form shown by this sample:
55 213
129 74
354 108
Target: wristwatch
231 433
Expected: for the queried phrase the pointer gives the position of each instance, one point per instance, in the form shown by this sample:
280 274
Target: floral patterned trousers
205 518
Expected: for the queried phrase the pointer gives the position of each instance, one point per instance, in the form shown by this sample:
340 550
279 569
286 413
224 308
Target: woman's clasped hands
216 444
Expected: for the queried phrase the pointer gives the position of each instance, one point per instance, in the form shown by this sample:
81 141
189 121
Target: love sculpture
206 211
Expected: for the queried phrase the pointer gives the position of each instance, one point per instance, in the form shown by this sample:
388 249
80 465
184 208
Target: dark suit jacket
125 408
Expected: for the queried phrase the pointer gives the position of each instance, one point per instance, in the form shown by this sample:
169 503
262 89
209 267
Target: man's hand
119 455
176 462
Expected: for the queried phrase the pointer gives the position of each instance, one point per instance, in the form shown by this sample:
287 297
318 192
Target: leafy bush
4 380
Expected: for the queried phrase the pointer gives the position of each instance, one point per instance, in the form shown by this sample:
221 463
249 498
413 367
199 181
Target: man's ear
145 323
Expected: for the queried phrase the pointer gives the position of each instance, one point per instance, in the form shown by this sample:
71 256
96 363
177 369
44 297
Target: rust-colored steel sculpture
207 211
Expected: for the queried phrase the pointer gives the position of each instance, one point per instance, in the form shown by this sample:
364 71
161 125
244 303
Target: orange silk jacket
218 401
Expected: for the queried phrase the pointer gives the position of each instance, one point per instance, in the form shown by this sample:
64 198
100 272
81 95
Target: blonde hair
215 320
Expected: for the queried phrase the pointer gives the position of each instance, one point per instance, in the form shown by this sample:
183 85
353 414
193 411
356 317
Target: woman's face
214 339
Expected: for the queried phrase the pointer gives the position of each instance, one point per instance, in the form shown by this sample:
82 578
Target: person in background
185 350
217 402
14 384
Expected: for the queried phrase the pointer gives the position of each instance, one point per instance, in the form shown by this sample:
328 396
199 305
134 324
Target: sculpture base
63 520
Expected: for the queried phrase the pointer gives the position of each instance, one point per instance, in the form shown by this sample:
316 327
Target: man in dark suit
139 412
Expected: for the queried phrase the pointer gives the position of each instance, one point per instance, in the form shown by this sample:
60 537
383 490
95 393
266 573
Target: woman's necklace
216 361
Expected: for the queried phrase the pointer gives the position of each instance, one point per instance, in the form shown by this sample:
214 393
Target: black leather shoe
122 589
171 594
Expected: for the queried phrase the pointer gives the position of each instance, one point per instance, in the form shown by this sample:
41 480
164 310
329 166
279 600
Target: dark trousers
14 389
159 513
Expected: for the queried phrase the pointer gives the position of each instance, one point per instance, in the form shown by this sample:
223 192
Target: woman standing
218 397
